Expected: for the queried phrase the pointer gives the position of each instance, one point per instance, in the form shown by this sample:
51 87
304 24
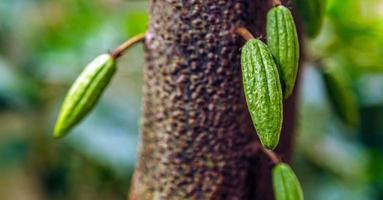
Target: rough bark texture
195 129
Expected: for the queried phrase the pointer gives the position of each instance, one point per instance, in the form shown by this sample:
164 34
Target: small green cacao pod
341 94
262 89
285 183
312 14
283 42
84 93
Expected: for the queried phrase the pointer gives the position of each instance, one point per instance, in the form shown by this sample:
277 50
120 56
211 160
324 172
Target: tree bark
196 130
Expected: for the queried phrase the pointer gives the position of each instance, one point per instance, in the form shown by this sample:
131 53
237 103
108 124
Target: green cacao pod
283 42
263 92
84 93
341 95
285 183
312 14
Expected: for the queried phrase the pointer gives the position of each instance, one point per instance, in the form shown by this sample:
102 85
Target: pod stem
276 3
127 44
244 33
271 155
255 147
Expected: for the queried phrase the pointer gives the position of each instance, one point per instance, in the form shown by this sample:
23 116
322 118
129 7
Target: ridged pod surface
283 42
84 93
286 184
263 92
341 95
312 15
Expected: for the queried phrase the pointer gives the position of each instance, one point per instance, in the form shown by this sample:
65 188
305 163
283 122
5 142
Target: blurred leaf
370 89
12 151
135 23
341 95
16 91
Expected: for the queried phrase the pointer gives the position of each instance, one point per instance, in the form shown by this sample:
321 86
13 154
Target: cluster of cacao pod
269 73
263 65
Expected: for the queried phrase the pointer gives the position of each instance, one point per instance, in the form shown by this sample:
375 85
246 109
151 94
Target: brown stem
256 147
127 44
244 33
271 155
276 3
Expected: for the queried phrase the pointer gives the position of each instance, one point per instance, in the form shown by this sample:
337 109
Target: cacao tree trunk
196 131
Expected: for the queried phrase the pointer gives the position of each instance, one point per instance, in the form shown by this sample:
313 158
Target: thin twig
245 33
126 45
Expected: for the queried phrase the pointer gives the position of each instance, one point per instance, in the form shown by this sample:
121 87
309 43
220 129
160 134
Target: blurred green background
44 44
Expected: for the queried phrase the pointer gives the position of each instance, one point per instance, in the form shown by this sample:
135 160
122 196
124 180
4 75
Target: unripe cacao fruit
312 14
341 95
263 92
84 93
283 42
285 183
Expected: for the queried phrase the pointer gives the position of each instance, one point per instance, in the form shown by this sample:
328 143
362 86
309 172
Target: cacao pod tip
285 183
270 145
59 132
61 128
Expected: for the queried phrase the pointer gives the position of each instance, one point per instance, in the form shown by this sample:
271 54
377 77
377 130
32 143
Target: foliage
45 44
336 161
